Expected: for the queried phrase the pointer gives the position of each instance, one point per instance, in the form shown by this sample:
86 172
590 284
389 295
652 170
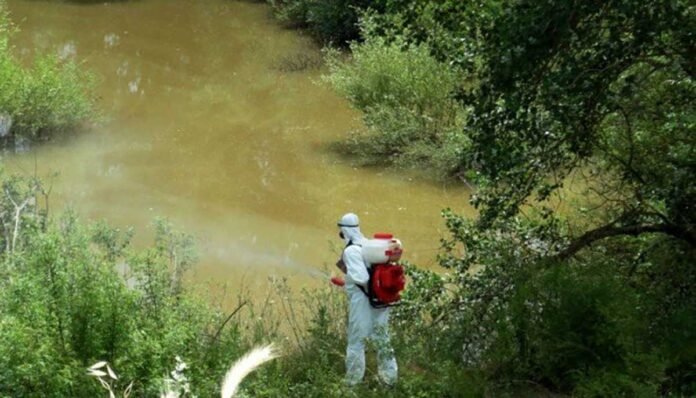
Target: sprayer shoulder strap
351 243
365 289
374 301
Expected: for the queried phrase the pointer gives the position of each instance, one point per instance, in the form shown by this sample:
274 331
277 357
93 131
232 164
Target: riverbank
589 296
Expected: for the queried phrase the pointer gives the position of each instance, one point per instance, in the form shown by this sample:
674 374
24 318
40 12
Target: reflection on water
67 51
215 120
111 40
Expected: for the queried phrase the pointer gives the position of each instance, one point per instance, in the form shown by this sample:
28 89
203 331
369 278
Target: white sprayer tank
383 248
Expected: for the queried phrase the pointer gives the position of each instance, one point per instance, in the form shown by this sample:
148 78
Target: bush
609 323
406 97
572 326
52 96
330 21
65 305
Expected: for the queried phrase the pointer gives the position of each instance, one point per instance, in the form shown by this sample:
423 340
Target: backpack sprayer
387 277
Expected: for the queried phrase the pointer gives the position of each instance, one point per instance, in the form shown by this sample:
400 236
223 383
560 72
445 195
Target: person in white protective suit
364 321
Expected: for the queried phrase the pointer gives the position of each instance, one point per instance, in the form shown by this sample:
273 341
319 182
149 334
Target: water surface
208 127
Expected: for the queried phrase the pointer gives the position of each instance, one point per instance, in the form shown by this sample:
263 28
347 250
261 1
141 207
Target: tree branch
632 230
222 326
17 216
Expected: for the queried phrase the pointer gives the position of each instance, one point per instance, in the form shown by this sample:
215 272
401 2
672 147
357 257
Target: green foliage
72 295
591 83
330 21
605 92
49 97
605 324
450 28
406 96
601 325
589 293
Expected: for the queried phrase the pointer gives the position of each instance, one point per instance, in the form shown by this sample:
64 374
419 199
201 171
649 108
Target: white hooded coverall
364 321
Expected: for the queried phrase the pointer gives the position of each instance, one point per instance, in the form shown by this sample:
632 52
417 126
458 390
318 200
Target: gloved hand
338 281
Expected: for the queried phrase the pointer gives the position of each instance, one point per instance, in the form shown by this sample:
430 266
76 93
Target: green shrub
407 98
65 305
570 327
609 323
50 97
330 21
293 13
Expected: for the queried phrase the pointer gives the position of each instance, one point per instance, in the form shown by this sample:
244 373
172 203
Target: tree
605 87
598 95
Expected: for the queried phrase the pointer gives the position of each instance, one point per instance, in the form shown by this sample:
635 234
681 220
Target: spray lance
337 280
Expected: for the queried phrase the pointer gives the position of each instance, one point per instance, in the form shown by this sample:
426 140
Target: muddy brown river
208 124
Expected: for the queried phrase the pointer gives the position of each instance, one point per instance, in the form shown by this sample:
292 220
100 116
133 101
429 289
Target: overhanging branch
631 230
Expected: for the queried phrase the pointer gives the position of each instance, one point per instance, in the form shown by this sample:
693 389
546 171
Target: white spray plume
245 365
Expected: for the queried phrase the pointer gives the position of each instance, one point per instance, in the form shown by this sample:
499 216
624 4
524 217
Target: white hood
350 226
